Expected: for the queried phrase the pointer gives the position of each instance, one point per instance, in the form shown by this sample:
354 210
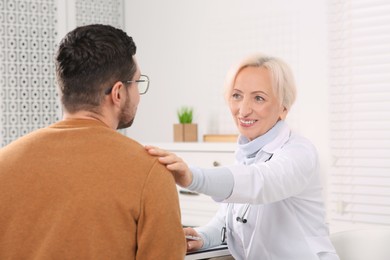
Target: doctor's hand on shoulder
179 169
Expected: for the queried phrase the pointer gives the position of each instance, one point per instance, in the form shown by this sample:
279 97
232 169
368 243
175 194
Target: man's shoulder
126 142
33 135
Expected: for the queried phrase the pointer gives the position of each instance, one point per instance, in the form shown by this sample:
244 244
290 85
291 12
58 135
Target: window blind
359 49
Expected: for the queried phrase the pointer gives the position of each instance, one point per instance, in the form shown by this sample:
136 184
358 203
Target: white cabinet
198 209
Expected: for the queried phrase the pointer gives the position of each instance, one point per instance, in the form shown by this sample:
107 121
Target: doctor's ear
283 114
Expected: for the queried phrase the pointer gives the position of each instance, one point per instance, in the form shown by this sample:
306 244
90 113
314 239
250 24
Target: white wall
186 47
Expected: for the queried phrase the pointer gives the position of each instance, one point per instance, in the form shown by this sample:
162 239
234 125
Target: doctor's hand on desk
179 169
193 244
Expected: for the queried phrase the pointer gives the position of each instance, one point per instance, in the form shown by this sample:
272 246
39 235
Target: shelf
197 146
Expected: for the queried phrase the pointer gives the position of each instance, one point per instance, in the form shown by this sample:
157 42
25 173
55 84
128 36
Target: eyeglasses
143 84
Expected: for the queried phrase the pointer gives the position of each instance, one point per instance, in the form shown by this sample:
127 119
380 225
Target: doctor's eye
236 96
259 98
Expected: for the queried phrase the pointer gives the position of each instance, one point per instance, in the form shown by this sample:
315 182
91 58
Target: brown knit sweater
80 190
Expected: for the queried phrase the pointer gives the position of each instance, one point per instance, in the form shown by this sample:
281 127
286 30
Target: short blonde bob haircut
281 75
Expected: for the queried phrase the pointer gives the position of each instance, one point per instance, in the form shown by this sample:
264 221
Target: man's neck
89 115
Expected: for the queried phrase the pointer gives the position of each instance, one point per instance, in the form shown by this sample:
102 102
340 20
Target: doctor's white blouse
275 208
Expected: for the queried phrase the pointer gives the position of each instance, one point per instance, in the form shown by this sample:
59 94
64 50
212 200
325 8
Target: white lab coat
286 218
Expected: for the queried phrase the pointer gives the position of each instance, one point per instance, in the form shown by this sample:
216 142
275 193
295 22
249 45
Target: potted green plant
184 115
185 131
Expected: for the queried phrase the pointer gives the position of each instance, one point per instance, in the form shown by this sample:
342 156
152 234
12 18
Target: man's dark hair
90 59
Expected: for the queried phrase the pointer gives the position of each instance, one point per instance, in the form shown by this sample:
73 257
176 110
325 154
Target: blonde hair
281 75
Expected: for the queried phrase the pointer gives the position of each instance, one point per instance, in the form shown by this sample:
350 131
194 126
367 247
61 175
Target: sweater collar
66 123
249 149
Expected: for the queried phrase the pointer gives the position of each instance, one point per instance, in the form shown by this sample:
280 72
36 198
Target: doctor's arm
287 174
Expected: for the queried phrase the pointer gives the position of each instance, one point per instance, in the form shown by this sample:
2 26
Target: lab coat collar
284 134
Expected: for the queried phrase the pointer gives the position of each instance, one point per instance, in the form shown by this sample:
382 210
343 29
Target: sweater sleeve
216 182
160 234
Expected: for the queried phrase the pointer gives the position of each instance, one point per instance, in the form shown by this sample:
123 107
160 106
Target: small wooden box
185 132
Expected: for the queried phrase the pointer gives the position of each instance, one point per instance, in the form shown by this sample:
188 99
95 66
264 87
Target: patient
78 189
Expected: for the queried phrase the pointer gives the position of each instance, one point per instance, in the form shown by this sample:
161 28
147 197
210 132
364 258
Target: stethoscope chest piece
242 218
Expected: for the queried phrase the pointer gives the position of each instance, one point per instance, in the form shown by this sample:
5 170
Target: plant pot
185 132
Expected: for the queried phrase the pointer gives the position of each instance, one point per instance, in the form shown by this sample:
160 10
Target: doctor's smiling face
254 105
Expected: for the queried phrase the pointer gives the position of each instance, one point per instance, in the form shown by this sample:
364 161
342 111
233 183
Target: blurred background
339 52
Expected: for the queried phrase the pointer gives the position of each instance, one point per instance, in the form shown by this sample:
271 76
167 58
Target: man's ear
116 94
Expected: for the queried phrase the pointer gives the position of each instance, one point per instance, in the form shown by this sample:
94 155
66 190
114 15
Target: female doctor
271 198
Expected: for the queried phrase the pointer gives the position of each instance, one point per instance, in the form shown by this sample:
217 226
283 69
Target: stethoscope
241 219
